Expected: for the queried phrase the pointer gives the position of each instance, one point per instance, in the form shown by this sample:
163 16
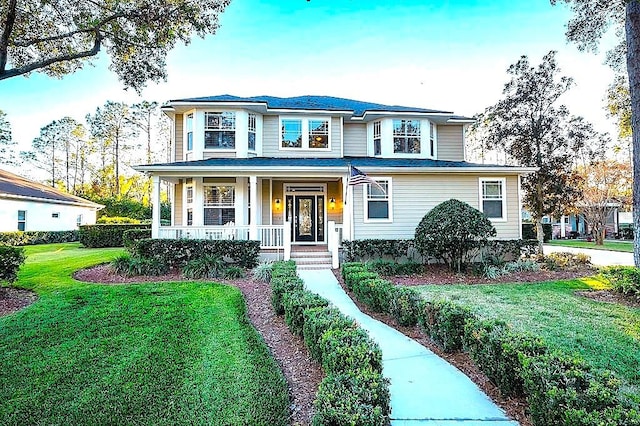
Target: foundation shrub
375 293
498 350
317 321
131 266
444 322
295 303
364 250
99 236
349 349
404 305
129 237
26 238
11 258
353 278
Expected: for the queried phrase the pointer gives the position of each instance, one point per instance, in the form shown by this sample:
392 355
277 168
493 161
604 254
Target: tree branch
62 58
8 28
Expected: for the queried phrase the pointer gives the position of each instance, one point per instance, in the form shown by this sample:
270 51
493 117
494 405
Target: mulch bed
13 299
609 296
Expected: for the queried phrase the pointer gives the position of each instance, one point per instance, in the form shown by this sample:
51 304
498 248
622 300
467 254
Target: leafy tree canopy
7 145
59 37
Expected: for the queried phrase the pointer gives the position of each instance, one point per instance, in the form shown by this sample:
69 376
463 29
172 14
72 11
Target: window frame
206 205
305 133
366 199
188 126
22 221
377 137
251 129
481 197
406 135
221 128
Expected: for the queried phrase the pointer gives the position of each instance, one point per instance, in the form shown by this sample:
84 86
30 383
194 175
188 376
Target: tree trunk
632 27
540 235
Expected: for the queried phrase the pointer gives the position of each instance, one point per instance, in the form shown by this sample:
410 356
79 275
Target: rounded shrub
404 305
453 232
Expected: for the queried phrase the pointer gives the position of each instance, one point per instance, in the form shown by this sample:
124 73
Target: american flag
358 177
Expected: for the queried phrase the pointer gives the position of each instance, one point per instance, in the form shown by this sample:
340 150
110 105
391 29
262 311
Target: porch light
278 203
332 203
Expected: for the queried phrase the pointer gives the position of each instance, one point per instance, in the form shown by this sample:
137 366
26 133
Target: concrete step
309 254
313 266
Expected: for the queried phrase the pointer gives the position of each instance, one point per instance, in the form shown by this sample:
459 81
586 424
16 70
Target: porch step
316 259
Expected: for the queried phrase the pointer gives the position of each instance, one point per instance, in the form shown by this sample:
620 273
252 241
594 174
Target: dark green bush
295 303
362 250
11 258
207 266
558 385
351 267
177 253
624 279
349 349
618 416
282 268
498 350
529 231
281 285
354 277
506 250
319 320
26 238
360 399
444 322
375 293
133 266
98 236
404 305
453 232
129 237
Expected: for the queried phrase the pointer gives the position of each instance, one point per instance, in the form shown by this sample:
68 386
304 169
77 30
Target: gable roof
17 187
311 102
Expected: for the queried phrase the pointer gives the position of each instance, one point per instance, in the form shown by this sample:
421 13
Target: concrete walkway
598 257
425 389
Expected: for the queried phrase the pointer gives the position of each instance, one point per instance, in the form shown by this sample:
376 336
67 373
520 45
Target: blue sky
449 55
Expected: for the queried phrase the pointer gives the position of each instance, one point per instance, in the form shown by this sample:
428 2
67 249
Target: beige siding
277 193
271 137
178 142
334 189
355 140
450 143
414 195
177 205
266 202
222 154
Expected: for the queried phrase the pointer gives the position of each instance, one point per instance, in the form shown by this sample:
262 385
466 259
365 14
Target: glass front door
306 215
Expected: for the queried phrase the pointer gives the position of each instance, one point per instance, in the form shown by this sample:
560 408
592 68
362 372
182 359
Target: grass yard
606 335
166 353
608 245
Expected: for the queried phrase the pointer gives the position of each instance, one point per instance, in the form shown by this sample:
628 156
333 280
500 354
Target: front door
305 218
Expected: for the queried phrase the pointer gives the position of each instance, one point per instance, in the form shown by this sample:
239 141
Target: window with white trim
406 136
493 198
377 138
79 220
252 132
432 140
189 197
189 127
189 217
219 205
220 130
377 203
304 133
22 220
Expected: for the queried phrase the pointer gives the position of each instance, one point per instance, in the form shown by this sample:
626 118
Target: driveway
598 257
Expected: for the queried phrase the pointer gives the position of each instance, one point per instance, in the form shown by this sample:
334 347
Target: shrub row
512 249
624 279
353 390
560 389
362 250
25 238
177 253
98 236
129 237
11 258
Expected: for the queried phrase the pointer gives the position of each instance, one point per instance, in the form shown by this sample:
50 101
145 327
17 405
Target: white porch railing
270 236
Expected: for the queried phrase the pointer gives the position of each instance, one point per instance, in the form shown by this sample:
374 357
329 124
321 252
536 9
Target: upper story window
307 133
432 140
219 205
252 132
406 136
219 130
377 138
493 198
377 204
189 126
22 220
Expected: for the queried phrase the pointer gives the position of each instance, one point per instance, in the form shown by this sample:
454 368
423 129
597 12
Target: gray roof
308 102
328 162
14 186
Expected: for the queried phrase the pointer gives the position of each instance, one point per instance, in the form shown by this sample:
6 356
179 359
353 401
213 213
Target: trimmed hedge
353 277
318 321
512 249
11 258
295 303
374 292
130 236
349 349
361 250
99 236
282 285
444 322
404 305
177 253
624 279
20 238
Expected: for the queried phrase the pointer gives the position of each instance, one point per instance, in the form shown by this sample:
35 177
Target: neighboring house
277 170
30 206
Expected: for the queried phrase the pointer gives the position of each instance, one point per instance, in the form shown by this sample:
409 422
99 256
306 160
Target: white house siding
414 195
178 139
450 143
271 138
39 216
355 140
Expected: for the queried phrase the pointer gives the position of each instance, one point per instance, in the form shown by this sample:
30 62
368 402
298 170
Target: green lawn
608 245
606 335
166 353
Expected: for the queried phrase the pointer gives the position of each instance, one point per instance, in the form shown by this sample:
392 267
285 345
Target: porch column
253 214
241 201
563 230
347 216
198 202
155 196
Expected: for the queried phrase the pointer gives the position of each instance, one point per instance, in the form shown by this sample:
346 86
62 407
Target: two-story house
277 170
